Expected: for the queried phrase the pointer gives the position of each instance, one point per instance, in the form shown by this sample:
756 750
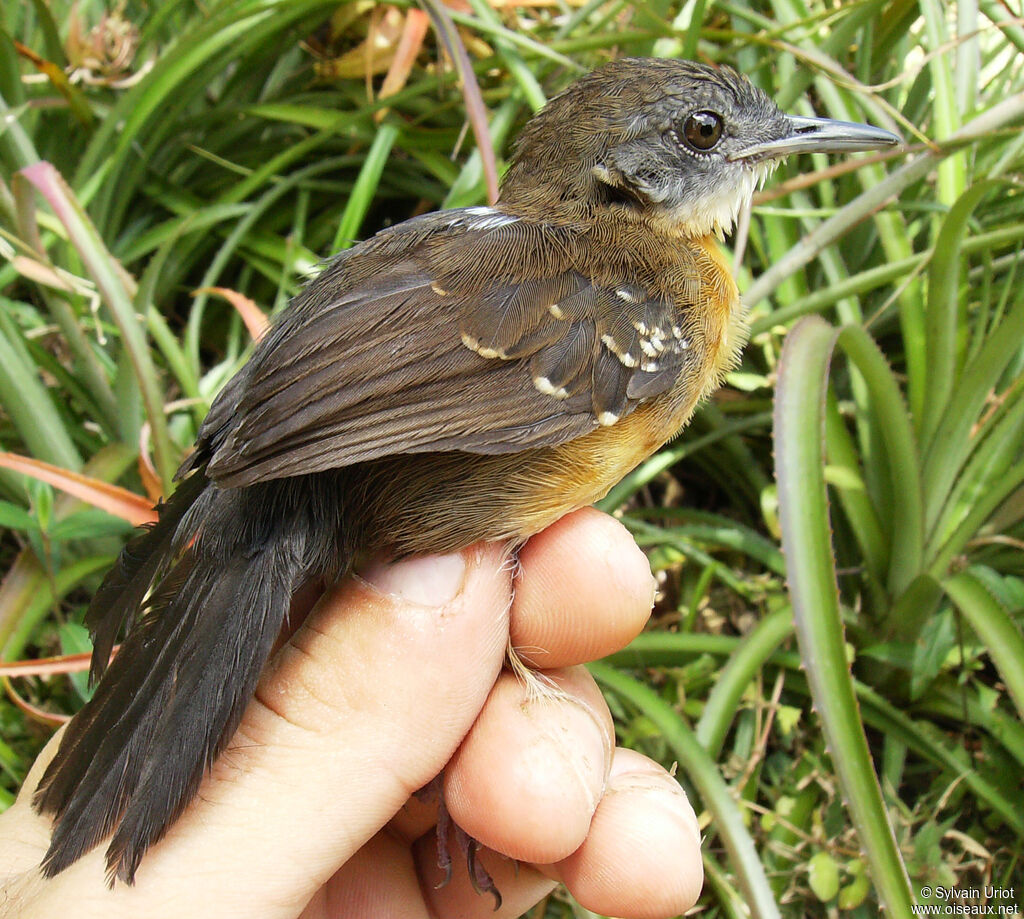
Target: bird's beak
818 135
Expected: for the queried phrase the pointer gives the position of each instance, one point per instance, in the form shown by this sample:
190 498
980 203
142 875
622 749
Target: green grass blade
750 656
952 171
954 440
944 312
245 226
878 276
990 465
996 629
873 540
28 404
660 649
799 428
37 593
110 283
887 404
365 189
16 149
182 72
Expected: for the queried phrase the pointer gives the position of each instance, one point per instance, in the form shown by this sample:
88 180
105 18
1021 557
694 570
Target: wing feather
398 347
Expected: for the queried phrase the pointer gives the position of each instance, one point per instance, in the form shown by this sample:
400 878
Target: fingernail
430 580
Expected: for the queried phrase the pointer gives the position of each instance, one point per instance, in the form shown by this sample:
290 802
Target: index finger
585 590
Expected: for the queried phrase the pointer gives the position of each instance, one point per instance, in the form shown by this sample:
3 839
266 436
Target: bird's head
681 141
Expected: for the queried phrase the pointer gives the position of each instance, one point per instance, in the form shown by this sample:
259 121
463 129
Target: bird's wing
399 346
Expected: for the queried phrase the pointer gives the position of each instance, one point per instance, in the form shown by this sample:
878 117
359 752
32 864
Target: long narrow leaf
954 438
28 404
1005 112
908 529
110 282
111 498
365 189
803 509
993 625
943 312
753 652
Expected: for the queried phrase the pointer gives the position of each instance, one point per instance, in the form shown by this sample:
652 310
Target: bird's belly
580 472
450 500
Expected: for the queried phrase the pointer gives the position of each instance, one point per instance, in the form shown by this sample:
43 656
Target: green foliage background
237 143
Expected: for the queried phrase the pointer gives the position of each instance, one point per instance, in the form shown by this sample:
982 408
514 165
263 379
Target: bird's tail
204 593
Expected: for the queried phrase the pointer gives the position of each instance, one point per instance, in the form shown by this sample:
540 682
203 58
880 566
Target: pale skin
391 679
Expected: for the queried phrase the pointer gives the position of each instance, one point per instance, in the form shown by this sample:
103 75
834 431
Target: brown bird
467 375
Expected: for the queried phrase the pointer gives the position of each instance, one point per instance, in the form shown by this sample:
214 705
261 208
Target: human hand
309 813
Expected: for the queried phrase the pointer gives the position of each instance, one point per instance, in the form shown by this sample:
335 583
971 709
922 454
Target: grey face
687 142
685 153
706 139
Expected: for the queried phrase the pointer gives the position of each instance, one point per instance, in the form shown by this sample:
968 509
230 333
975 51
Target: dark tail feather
141 563
133 758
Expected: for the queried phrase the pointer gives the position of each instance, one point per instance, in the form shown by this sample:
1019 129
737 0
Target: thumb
364 704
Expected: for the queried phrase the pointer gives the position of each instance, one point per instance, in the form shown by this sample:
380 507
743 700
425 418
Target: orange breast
577 473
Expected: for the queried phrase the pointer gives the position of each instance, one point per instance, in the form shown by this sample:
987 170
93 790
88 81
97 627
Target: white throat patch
717 213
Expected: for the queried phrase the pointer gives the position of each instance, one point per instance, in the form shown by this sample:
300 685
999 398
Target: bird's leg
537 685
448 831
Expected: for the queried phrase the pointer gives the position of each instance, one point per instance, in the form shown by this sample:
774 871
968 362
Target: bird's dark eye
703 130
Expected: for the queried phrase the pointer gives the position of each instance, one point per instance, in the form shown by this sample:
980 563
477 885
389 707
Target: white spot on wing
487 218
544 385
474 345
607 418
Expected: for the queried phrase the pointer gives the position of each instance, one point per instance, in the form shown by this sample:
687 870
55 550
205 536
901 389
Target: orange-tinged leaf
254 318
46 666
76 99
34 712
111 498
147 469
413 33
